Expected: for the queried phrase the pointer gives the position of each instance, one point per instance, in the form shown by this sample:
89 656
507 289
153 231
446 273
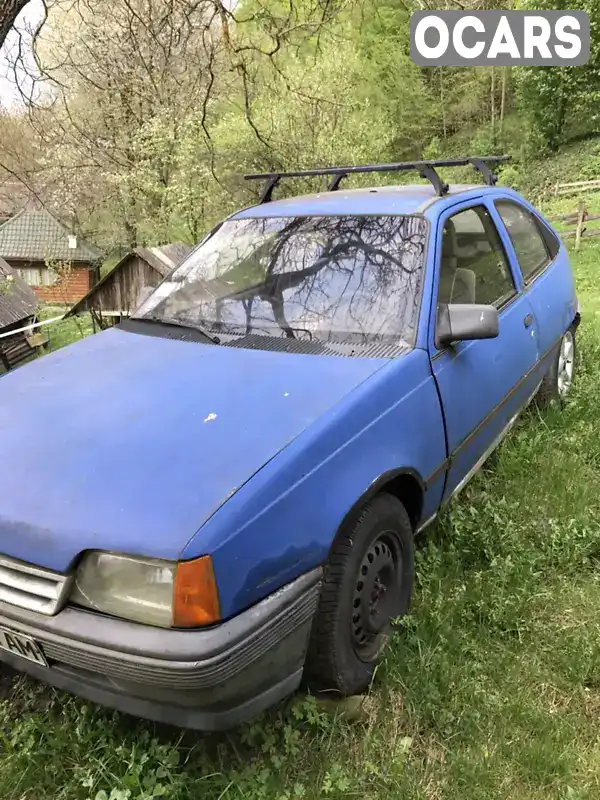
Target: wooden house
60 266
118 293
18 309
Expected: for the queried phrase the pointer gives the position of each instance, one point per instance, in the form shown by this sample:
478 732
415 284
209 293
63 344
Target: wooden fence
577 187
575 221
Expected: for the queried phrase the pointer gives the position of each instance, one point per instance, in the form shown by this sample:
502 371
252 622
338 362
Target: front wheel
558 381
367 583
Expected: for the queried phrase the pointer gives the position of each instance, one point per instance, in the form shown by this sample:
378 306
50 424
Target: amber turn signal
195 596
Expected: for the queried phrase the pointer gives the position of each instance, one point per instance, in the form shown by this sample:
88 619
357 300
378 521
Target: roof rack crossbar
426 169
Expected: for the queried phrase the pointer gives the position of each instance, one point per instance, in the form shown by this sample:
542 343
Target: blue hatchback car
219 496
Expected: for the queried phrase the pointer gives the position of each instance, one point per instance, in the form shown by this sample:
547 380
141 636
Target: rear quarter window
534 243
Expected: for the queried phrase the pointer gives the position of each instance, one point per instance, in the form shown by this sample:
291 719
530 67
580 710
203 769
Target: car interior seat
465 283
457 284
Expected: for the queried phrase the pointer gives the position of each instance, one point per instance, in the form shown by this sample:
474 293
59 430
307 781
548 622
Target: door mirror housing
458 322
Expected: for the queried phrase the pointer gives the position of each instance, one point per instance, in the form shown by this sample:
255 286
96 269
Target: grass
491 691
64 331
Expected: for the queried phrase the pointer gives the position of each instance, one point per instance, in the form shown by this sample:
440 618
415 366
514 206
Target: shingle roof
163 259
17 300
38 236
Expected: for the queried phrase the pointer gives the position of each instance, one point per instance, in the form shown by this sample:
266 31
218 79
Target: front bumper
210 679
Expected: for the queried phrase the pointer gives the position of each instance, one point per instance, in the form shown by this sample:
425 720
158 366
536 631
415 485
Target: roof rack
426 169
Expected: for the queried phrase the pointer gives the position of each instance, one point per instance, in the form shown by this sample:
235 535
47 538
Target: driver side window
473 266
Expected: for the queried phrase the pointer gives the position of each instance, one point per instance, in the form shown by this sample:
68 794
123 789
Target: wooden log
584 235
594 182
578 190
570 217
37 339
580 221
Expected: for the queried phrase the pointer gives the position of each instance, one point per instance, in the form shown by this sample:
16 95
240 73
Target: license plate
22 646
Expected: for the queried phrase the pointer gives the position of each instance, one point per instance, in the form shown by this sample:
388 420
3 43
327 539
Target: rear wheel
558 381
367 583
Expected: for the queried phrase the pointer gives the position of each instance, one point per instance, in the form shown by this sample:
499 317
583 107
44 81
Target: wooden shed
18 309
118 293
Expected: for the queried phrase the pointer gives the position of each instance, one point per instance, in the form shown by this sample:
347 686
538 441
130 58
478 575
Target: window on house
47 277
37 276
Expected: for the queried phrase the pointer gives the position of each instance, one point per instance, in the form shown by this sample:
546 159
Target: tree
563 101
144 114
105 74
127 95
9 11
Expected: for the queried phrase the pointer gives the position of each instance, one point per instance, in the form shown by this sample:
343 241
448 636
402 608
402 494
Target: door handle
528 321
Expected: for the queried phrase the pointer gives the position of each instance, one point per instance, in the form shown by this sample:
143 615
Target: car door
482 384
544 264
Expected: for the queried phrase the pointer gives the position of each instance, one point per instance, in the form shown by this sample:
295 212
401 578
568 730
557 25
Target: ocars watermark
480 38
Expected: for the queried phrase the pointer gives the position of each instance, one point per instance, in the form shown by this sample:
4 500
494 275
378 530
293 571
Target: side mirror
459 322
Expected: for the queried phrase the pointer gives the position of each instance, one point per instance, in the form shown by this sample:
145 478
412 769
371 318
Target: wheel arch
404 483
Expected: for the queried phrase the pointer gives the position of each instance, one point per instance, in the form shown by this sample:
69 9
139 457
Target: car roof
413 199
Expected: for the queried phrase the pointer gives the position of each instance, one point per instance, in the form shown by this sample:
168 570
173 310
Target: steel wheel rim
376 589
566 364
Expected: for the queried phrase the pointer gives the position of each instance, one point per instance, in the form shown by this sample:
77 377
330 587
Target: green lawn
64 331
492 690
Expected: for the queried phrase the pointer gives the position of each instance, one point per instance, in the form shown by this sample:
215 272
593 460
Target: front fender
283 521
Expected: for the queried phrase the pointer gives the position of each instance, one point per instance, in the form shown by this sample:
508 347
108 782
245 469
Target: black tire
373 551
551 392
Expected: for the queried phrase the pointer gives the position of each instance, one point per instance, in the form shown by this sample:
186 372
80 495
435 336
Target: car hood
129 442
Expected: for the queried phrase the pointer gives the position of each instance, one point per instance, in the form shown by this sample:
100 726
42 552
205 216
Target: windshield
334 279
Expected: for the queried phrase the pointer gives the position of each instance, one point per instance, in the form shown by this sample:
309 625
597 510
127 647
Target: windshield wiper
178 324
290 331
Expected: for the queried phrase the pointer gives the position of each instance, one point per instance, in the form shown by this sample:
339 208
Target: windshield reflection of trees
343 278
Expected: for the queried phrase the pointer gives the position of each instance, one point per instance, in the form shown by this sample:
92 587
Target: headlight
179 594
